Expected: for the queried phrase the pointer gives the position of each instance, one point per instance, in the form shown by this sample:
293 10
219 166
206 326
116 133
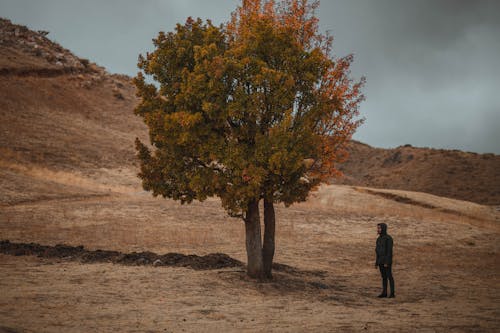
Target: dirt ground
446 266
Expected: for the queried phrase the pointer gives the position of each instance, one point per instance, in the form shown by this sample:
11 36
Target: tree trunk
253 241
269 231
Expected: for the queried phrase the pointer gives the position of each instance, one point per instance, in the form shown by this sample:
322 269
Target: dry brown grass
362 201
329 240
446 173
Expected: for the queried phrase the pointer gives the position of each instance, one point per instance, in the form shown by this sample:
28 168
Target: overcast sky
432 66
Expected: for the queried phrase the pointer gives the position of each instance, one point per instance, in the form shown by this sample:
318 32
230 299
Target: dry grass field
68 176
446 265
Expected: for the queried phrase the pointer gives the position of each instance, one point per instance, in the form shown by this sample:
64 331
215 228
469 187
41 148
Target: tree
254 110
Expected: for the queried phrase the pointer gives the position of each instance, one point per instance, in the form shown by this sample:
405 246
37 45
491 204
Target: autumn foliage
256 109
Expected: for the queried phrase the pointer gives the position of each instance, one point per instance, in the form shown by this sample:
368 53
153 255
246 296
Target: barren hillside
63 120
449 173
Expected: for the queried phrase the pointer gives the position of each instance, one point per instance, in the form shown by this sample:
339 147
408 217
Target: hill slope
64 121
449 173
61 113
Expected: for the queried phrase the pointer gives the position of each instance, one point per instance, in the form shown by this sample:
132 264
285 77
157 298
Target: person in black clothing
384 258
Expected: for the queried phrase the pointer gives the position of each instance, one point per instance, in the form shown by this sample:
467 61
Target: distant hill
62 113
449 173
67 127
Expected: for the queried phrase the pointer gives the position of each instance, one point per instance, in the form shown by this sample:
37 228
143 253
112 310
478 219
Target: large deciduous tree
254 110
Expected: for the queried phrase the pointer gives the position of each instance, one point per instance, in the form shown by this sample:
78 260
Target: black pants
386 273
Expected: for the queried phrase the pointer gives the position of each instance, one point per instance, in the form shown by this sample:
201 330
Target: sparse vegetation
43 33
118 94
85 62
448 173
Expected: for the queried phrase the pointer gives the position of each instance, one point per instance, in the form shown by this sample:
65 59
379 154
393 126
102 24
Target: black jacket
384 247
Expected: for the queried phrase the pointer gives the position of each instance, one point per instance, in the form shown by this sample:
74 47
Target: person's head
382 229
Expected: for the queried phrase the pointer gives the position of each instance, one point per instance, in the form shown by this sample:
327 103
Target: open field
446 264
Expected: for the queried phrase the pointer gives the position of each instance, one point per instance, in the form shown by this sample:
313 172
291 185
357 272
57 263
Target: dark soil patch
4 329
288 274
401 199
79 253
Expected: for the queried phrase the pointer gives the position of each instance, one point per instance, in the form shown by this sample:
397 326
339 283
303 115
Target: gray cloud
432 69
432 66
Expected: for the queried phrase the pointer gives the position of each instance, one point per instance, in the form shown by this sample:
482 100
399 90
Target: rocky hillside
65 123
449 173
59 110
24 52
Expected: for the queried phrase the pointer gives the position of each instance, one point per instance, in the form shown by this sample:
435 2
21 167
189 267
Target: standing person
384 259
